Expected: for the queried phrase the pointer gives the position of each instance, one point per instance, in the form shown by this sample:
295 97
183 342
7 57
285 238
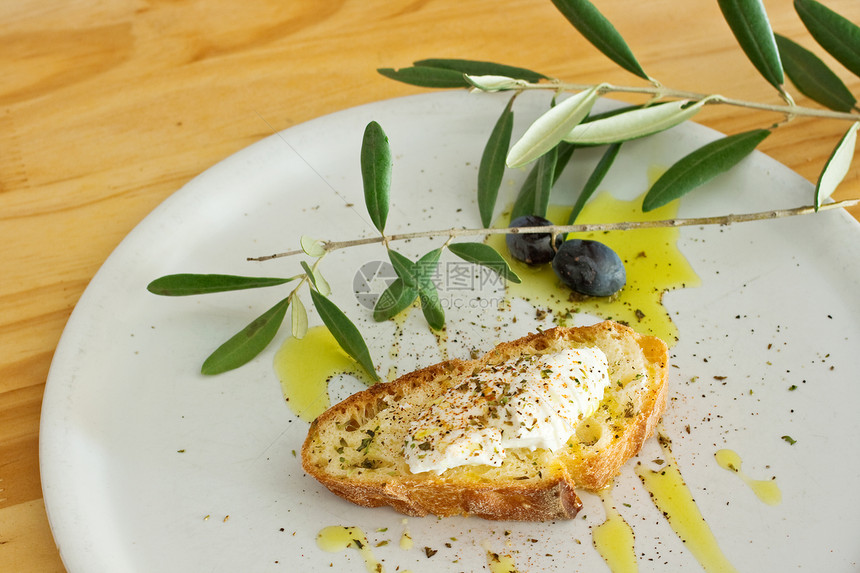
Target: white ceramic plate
137 448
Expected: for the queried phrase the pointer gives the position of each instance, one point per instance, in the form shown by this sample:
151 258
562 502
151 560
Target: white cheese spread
530 402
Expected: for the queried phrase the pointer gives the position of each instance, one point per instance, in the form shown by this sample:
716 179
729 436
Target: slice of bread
355 448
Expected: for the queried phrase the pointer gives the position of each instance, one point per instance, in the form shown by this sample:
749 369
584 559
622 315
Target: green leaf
836 34
635 123
414 279
345 332
485 255
248 342
299 318
186 284
427 77
544 180
309 273
492 168
376 173
594 180
431 306
550 128
479 68
525 201
425 268
748 22
312 247
837 166
316 278
600 32
813 78
404 268
701 166
393 300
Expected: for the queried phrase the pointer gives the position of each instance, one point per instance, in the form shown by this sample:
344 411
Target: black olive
589 267
532 248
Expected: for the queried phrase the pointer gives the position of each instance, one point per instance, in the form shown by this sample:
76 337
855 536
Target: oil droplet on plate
500 563
614 538
406 542
305 365
765 489
651 258
671 495
335 538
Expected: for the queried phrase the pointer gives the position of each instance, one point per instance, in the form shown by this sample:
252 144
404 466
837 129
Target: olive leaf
393 300
491 84
635 123
320 283
425 268
485 255
525 201
426 77
186 284
701 166
479 68
544 180
594 180
833 32
404 268
600 32
312 247
376 173
550 128
299 317
431 306
492 167
413 279
316 278
248 342
749 23
345 332
812 77
837 166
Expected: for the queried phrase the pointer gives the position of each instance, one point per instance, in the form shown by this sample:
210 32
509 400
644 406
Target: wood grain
109 106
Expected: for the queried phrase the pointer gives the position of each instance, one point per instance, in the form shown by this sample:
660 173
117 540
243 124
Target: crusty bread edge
594 473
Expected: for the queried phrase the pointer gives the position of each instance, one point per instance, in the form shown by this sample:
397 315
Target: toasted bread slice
355 448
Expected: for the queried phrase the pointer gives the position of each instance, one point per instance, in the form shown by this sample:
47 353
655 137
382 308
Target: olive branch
549 143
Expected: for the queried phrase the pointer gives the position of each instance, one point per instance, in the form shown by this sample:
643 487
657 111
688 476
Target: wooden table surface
109 106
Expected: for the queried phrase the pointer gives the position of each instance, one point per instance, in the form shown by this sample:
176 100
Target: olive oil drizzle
766 490
499 563
306 365
671 495
614 538
336 538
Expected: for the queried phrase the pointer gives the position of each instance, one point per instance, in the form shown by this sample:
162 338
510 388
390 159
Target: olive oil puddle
499 563
306 365
766 490
336 538
673 498
653 263
614 538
